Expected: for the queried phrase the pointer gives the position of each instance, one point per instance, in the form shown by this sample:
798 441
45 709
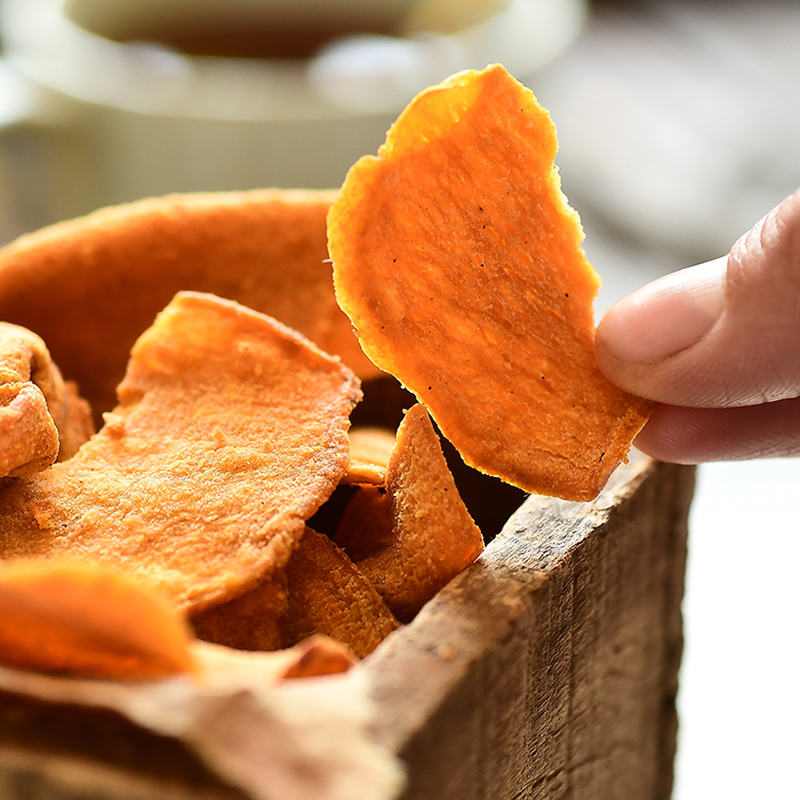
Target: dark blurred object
135 99
238 28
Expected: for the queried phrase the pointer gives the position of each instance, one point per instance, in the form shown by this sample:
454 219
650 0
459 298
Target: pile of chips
227 495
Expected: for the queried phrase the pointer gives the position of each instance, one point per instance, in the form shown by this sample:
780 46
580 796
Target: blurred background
679 124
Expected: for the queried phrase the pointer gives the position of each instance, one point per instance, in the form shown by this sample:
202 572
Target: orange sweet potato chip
412 539
367 534
41 417
370 450
230 432
320 593
83 620
317 655
329 595
459 263
91 285
249 621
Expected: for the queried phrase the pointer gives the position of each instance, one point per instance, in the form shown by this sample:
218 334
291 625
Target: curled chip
370 450
41 417
83 620
91 285
320 592
317 655
231 430
329 595
416 536
459 263
249 621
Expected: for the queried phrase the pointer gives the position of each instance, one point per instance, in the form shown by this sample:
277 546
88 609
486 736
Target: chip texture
41 416
418 535
459 263
329 595
230 432
81 620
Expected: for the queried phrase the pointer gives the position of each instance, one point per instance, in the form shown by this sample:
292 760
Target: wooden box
550 668
547 670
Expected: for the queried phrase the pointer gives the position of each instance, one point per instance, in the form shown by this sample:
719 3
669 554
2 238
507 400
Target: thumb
722 334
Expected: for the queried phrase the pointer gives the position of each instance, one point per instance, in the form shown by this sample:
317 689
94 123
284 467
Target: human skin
717 345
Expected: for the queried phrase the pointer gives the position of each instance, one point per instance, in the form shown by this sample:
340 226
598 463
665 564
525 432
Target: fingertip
722 333
643 330
666 316
671 435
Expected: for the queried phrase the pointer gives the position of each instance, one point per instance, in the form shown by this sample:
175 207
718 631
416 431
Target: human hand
718 346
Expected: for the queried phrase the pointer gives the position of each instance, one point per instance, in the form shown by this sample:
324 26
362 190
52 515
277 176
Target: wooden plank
61 751
549 669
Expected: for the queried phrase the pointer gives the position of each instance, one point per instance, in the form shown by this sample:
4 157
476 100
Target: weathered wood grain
549 669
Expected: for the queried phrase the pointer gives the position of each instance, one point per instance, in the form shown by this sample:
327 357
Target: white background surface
739 699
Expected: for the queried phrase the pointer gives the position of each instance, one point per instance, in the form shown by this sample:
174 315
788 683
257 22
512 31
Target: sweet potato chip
328 595
82 620
41 417
250 621
459 263
90 286
366 532
370 449
315 656
230 432
412 539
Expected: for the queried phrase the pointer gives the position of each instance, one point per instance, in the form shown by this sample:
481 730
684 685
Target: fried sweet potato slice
459 263
315 656
42 418
414 538
87 621
250 621
230 432
370 450
329 595
103 278
367 534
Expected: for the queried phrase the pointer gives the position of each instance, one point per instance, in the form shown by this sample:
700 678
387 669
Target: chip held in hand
458 261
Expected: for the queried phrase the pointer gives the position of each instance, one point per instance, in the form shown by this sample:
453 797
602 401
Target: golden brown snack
370 449
459 263
73 420
318 655
329 595
87 621
42 418
225 666
414 538
28 435
91 285
250 621
230 432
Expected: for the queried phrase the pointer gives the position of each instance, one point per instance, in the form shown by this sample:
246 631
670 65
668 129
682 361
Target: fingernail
665 316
